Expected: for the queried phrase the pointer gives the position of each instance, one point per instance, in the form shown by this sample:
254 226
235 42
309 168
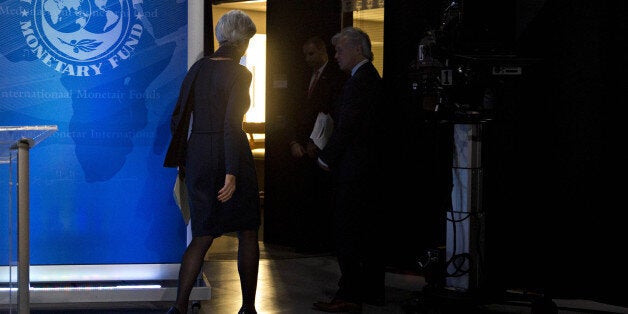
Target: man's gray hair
355 37
234 27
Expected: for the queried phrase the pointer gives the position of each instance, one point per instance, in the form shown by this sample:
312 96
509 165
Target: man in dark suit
351 157
312 184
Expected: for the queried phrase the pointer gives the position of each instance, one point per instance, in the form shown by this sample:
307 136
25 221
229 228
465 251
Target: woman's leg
191 265
248 265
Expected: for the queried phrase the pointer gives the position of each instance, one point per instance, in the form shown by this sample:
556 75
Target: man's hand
296 150
323 165
312 150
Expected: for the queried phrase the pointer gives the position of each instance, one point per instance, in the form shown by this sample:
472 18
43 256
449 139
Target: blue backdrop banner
107 73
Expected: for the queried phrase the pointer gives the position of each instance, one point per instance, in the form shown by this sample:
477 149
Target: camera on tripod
453 78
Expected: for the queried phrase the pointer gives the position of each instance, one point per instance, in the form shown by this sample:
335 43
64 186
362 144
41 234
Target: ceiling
373 15
255 5
376 15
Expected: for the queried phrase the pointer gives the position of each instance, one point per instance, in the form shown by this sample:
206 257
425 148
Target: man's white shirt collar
357 66
320 70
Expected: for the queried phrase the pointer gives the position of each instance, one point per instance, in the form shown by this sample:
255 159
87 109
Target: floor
290 283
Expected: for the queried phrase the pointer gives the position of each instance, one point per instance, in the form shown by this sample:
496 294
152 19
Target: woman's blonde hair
234 27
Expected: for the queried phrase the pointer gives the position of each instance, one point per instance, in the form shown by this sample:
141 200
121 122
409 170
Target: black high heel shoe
173 310
247 311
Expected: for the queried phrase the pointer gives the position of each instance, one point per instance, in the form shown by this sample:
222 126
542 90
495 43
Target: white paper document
321 132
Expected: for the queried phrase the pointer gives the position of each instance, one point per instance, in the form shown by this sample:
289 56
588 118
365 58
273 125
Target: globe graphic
67 16
105 15
94 16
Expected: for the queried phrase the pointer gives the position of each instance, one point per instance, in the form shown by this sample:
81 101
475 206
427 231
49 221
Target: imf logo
82 37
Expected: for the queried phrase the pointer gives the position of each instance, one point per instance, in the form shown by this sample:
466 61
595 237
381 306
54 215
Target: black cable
455 259
458 212
458 260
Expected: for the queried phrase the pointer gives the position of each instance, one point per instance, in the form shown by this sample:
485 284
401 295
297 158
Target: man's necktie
313 82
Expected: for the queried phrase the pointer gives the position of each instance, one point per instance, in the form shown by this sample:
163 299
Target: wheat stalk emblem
85 45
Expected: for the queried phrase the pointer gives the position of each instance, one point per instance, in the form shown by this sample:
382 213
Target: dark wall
419 144
552 156
550 153
558 152
289 24
417 151
420 151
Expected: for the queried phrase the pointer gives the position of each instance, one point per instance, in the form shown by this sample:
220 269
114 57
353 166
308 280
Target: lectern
22 139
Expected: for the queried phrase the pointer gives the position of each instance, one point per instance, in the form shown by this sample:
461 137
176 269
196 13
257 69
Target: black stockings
191 264
248 265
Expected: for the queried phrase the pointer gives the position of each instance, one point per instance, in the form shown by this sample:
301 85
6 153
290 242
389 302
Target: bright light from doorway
255 61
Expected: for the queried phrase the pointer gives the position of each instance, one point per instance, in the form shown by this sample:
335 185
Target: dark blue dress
217 146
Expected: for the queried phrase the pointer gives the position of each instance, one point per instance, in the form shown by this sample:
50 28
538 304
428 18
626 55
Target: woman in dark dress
215 155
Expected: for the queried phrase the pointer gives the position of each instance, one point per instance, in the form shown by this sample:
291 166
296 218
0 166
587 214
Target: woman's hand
226 192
